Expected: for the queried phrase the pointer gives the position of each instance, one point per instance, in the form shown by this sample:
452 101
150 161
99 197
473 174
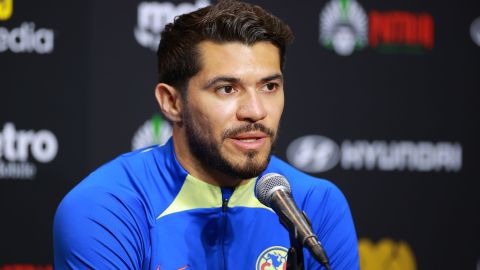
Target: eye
270 87
225 90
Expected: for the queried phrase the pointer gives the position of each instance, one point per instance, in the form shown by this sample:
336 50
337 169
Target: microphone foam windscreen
268 184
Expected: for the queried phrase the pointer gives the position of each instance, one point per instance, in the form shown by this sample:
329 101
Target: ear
170 101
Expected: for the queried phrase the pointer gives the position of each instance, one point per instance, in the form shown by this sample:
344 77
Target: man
190 204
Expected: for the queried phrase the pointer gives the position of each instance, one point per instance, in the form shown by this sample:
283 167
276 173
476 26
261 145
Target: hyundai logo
313 153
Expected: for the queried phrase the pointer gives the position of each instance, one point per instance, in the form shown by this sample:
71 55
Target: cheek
202 121
221 112
276 108
213 117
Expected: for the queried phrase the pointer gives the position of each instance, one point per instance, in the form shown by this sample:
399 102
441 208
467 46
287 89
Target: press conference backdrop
381 98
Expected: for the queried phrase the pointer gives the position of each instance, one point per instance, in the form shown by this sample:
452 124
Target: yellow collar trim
196 194
244 196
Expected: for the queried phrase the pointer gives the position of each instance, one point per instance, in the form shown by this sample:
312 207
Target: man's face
233 107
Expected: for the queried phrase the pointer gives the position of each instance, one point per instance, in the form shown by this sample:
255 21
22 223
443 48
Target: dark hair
178 56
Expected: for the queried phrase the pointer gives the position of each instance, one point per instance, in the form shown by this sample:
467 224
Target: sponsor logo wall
25 267
346 27
316 153
153 131
25 38
6 9
43 78
393 125
153 16
386 254
475 31
22 150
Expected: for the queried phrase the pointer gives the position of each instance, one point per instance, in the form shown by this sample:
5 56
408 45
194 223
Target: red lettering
400 28
26 267
410 29
375 28
425 32
393 24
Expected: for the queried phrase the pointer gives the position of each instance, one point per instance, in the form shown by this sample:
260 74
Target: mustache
246 128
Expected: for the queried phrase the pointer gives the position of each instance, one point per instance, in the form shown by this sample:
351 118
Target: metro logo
6 9
386 255
16 147
153 16
400 28
15 144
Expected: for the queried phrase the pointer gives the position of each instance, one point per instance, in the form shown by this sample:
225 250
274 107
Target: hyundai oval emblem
313 153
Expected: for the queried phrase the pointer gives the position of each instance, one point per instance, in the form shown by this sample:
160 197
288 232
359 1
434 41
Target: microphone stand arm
295 254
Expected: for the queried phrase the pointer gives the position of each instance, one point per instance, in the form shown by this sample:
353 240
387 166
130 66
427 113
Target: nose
251 108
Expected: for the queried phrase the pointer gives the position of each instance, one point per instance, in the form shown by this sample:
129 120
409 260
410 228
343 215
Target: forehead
238 59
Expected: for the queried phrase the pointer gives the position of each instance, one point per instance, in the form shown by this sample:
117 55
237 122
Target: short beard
203 146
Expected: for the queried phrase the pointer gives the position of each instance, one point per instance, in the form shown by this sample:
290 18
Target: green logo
155 131
343 26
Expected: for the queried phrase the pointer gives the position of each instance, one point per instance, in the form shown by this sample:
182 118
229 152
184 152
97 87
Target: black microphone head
268 184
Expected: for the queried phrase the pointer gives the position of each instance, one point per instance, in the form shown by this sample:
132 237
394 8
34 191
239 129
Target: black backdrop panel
43 121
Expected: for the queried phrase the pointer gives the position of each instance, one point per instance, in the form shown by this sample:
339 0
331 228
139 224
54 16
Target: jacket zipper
226 194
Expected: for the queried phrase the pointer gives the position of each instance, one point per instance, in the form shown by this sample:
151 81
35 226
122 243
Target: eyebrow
272 78
234 80
218 79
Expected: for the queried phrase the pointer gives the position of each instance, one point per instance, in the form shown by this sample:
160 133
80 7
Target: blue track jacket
144 211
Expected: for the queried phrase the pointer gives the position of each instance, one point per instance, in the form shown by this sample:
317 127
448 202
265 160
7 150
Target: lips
248 141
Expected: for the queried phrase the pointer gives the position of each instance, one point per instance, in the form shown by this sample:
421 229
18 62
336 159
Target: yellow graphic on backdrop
6 9
386 255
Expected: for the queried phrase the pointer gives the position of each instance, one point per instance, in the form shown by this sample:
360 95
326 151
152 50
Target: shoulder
306 188
115 179
127 184
109 214
329 212
107 192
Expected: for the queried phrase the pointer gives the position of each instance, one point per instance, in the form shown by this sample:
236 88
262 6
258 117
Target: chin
253 162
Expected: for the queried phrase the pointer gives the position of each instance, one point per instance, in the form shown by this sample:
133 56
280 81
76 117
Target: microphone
273 190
